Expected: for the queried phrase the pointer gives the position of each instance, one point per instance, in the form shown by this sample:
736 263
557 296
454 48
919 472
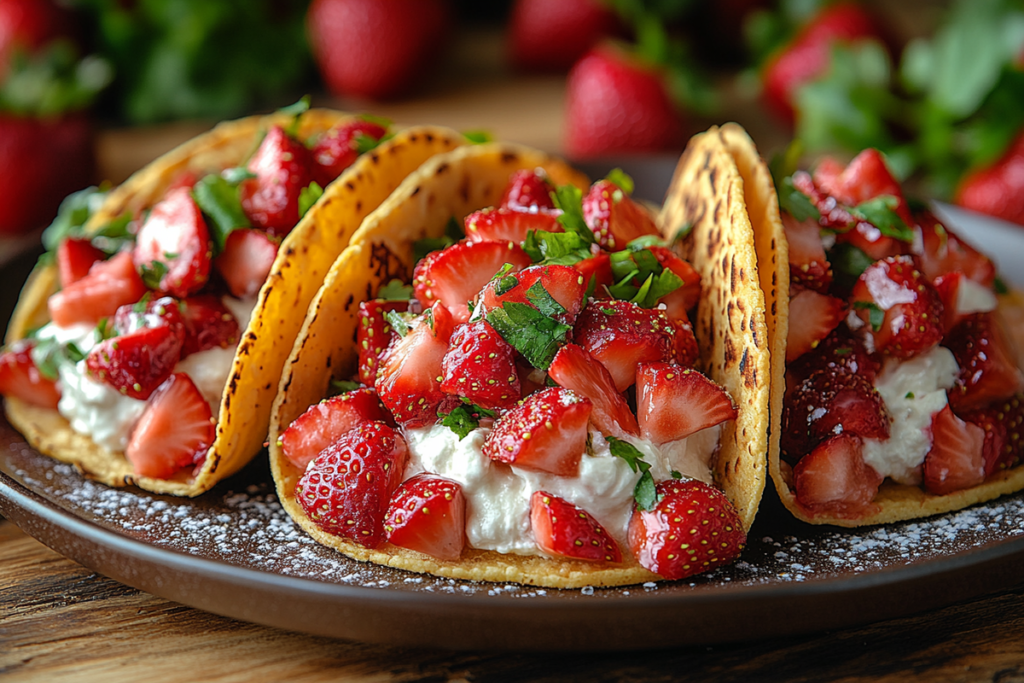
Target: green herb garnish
308 196
881 213
464 418
876 316
219 201
644 492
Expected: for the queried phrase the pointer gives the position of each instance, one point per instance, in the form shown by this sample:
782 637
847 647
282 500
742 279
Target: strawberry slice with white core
374 335
565 284
613 216
175 430
246 261
834 479
175 235
566 530
508 225
528 190
621 335
808 265
813 316
325 422
456 275
21 379
428 514
480 366
546 432
108 286
674 402
208 324
137 363
956 460
75 256
575 369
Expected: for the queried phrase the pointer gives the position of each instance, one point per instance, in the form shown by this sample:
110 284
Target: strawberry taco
514 391
146 346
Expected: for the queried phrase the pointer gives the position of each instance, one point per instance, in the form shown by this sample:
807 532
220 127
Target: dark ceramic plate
234 552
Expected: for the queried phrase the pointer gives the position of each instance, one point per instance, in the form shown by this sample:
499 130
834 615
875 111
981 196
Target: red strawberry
597 275
682 300
138 362
617 104
808 55
988 365
338 148
687 352
692 528
375 48
456 275
152 313
346 489
621 335
480 366
246 261
428 514
614 217
840 349
28 25
528 190
546 432
563 529
956 460
409 376
508 225
997 190
325 422
374 335
175 430
945 253
962 296
564 283
1004 437
905 308
283 166
75 256
108 286
176 236
674 402
552 34
833 478
208 324
21 379
812 316
808 266
575 369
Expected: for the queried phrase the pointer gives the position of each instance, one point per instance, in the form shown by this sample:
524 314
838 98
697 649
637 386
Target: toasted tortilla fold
304 258
448 185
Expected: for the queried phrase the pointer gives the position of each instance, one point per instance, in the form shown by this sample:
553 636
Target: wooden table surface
61 621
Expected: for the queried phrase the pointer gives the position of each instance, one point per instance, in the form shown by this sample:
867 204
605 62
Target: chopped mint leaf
644 493
367 143
1000 287
681 232
478 137
506 285
530 332
624 288
557 248
398 323
505 269
655 287
308 196
343 386
237 174
152 273
676 474
848 262
645 241
543 301
452 233
569 199
382 121
48 354
622 179
881 213
796 203
395 290
295 110
105 329
74 212
74 353
909 394
609 311
219 201
464 419
876 316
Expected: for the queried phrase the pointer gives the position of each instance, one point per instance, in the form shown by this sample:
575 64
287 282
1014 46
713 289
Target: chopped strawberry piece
693 528
679 302
687 352
840 349
428 514
338 148
481 367
175 236
283 166
808 265
597 275
21 379
944 253
374 335
563 529
246 261
346 489
156 312
508 225
956 460
575 369
997 189
75 256
1003 425
175 430
614 217
528 190
137 363
108 286
812 317
987 360
674 402
621 335
208 324
834 479
546 432
456 275
325 422
565 284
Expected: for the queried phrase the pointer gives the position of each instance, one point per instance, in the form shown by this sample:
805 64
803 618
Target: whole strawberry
375 48
27 25
616 103
552 34
997 190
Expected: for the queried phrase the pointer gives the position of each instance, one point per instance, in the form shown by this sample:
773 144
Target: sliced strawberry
456 275
621 335
693 528
546 432
108 286
75 256
481 367
283 166
1003 425
346 488
943 252
909 308
528 190
956 460
563 529
962 296
338 148
246 261
325 422
808 265
508 225
175 430
988 364
208 324
374 335
428 514
674 402
175 236
575 369
21 379
597 275
565 284
614 217
154 313
687 352
679 302
137 363
812 316
834 479
840 349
